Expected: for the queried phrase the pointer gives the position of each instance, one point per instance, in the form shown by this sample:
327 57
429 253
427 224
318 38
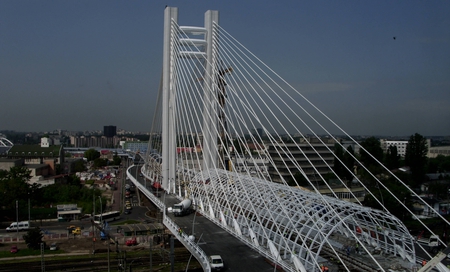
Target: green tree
440 164
392 159
91 154
339 166
13 186
299 180
116 159
79 166
349 161
416 157
33 238
388 199
99 162
238 147
371 153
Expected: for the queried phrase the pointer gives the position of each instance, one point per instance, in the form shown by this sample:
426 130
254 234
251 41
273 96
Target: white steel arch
294 223
5 142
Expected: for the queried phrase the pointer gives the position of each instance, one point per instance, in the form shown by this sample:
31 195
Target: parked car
76 231
216 262
54 246
131 242
14 249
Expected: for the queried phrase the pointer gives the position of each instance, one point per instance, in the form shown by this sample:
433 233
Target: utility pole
109 245
172 255
151 253
42 257
17 221
29 214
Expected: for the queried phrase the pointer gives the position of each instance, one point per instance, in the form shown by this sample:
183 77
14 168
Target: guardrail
195 250
144 190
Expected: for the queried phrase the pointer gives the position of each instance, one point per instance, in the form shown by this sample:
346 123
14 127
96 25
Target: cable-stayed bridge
242 143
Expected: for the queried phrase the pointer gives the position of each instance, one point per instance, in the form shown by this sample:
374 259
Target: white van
23 225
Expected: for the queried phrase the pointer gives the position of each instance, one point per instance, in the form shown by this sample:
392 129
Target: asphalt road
214 240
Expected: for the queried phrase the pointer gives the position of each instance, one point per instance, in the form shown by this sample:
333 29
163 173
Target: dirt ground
80 244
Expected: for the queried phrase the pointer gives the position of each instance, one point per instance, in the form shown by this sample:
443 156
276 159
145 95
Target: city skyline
376 68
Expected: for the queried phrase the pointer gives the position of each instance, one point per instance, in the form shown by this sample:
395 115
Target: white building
401 146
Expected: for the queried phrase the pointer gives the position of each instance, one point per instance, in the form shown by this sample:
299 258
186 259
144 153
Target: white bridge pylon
298 230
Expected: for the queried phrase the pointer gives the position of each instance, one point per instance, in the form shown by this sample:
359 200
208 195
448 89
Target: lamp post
17 221
29 214
101 211
193 222
131 269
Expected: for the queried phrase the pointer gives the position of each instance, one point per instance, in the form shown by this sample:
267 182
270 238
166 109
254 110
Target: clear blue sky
80 65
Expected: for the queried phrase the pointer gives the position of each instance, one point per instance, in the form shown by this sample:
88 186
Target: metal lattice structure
294 225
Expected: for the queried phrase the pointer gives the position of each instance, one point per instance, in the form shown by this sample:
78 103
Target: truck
182 208
432 241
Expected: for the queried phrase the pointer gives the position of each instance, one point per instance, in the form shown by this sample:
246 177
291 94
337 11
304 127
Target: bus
107 217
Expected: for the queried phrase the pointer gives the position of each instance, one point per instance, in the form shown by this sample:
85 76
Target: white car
54 246
216 262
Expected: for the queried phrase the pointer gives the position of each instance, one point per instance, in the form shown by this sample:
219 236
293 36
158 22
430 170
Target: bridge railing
198 253
145 191
195 250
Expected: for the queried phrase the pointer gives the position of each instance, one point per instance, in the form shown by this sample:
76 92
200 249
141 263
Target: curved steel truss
300 229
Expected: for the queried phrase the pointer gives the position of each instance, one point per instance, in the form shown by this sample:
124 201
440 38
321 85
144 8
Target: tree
338 166
237 146
381 197
371 153
79 166
100 162
298 179
349 161
33 238
13 186
392 159
116 159
440 164
416 157
91 154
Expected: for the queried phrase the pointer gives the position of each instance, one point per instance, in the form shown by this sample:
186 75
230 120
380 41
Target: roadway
213 240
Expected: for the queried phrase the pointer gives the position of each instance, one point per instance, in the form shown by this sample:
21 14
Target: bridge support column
168 125
210 131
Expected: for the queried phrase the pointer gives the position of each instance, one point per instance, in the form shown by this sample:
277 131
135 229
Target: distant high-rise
109 131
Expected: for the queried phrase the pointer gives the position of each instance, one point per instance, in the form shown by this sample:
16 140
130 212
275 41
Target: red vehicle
131 242
14 249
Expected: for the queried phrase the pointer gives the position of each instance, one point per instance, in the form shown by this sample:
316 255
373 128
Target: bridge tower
170 56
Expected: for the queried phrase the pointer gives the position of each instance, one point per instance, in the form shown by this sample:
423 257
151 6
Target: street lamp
29 216
17 221
131 269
